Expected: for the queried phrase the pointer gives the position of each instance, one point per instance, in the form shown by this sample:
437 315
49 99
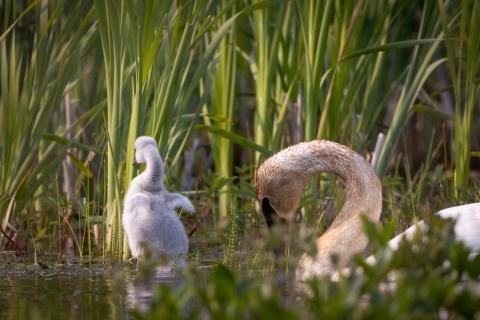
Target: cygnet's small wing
467 227
137 207
138 203
175 200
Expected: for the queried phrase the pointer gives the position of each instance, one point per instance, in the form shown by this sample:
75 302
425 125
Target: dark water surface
94 290
75 290
101 289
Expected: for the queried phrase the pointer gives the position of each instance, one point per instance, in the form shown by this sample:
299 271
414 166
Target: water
76 291
61 291
91 289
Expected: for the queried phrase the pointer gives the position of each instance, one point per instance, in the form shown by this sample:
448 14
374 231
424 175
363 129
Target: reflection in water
140 291
76 291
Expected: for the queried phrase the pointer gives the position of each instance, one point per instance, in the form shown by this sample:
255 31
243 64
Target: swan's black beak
270 214
271 217
135 163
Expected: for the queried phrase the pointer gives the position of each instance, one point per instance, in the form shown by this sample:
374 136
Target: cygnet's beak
135 163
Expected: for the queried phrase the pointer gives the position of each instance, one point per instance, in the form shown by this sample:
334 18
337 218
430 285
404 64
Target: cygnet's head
142 146
152 177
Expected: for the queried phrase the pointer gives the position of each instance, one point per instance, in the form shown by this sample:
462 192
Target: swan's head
281 178
280 185
144 145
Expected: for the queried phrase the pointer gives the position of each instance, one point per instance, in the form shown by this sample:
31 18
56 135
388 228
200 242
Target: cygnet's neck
152 177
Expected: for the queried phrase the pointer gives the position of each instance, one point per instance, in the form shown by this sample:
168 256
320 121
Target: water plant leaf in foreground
429 277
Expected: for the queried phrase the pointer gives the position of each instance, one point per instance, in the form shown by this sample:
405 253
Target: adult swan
280 182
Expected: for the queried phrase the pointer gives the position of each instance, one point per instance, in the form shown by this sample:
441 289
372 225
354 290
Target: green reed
34 78
467 69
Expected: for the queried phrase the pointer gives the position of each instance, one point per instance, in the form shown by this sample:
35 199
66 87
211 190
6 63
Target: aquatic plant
423 280
233 226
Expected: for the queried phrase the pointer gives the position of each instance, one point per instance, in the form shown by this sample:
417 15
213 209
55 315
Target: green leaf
264 4
48 200
30 7
219 118
430 111
41 233
220 183
390 46
4 197
64 141
236 138
80 166
95 219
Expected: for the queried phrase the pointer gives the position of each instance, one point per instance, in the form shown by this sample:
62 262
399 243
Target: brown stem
9 239
192 231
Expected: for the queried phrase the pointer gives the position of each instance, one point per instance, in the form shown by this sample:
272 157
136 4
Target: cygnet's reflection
140 291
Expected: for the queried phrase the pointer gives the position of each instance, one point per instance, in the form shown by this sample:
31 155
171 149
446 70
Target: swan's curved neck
153 174
282 178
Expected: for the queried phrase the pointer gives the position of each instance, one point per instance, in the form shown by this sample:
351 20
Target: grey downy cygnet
149 216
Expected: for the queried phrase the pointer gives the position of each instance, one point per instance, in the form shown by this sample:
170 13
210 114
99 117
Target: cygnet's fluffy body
149 216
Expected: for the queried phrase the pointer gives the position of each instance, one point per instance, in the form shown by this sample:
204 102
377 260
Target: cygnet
149 216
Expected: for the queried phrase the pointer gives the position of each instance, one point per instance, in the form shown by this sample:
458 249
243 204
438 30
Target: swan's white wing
467 228
394 243
175 200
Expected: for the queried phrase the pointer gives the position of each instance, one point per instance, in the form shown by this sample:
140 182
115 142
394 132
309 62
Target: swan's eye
268 212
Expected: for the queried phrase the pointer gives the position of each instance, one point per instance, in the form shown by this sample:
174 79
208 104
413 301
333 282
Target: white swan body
280 182
467 226
149 216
